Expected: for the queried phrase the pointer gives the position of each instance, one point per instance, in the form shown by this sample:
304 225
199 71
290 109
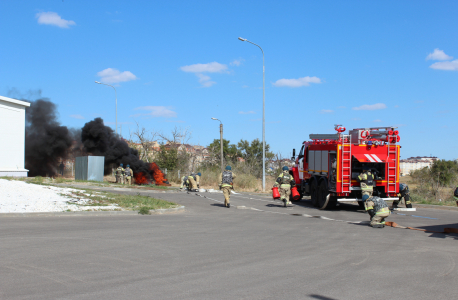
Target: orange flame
158 176
140 178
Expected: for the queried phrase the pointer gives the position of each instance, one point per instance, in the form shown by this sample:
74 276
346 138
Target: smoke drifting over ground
101 140
46 141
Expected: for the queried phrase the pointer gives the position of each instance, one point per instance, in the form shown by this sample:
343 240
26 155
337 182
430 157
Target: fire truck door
301 168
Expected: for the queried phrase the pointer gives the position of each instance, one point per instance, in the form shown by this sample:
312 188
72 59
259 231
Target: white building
415 163
12 135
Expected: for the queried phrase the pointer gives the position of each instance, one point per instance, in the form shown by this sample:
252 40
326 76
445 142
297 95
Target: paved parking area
259 250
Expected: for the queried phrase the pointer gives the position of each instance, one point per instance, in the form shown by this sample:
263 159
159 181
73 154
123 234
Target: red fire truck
328 165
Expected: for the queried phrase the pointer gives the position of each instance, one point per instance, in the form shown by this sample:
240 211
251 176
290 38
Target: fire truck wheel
314 193
322 195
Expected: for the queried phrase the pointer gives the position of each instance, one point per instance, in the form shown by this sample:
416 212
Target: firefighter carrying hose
403 193
366 180
286 182
377 209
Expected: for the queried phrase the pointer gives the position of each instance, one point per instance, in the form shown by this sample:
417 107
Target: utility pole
221 142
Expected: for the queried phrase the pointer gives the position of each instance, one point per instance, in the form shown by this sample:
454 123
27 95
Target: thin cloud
52 18
114 76
304 81
237 62
205 80
76 116
157 111
445 65
199 69
370 106
213 67
247 112
378 121
326 111
341 107
438 55
256 120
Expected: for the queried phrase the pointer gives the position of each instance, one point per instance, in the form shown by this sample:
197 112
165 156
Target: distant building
411 164
12 122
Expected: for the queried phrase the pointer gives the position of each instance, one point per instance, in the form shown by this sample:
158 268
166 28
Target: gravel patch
21 197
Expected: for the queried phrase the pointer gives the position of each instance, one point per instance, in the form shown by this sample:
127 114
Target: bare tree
146 139
178 140
178 136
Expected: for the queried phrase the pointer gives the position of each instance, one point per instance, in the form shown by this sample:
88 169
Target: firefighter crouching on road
286 182
128 173
120 174
193 181
403 193
377 209
184 182
226 180
366 180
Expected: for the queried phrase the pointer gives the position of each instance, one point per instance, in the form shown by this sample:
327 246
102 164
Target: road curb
442 207
92 213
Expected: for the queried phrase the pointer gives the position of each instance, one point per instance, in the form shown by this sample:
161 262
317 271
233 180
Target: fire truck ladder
346 164
392 167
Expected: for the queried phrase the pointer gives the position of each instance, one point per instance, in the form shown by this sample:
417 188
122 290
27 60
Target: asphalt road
254 250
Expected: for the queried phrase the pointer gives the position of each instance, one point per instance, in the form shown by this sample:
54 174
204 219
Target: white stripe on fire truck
376 158
369 157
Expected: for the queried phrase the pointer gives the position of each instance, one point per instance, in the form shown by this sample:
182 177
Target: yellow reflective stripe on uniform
369 207
382 210
285 186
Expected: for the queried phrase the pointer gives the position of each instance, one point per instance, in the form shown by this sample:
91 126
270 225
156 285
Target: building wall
408 167
12 135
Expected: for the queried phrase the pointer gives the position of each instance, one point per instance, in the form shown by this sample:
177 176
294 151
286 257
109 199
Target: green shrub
144 210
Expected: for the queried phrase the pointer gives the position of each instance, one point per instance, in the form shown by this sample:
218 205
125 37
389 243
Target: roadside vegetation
434 185
128 202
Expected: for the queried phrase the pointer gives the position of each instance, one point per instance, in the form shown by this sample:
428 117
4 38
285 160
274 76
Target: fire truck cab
327 166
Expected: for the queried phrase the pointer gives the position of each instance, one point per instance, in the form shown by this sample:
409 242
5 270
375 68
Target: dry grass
242 182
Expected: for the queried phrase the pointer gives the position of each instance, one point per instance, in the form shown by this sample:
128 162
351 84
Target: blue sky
179 63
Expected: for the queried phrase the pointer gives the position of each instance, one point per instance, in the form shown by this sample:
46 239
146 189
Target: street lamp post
221 142
116 97
263 115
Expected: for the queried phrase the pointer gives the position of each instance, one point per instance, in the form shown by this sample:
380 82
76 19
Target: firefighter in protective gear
226 180
184 182
377 209
366 180
286 182
403 193
120 174
193 180
128 173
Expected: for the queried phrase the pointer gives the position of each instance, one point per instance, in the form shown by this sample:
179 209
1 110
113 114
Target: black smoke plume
46 141
100 140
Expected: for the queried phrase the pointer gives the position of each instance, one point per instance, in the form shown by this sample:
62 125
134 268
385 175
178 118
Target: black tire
314 193
323 192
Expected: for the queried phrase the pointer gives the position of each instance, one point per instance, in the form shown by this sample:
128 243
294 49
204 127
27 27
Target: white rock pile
22 197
